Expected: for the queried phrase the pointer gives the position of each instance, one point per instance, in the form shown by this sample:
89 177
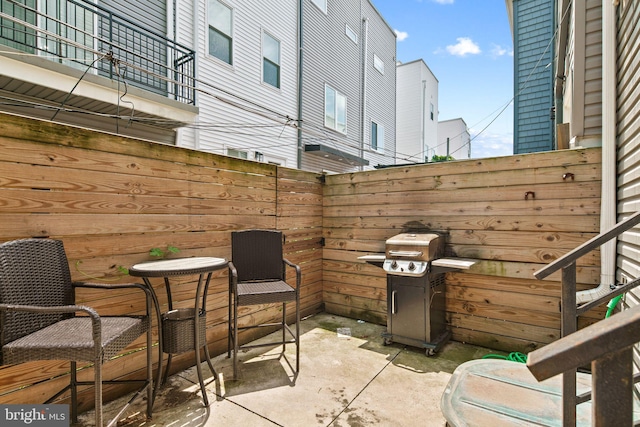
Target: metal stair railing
612 362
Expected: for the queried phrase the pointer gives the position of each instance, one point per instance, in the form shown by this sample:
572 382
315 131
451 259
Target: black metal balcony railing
82 34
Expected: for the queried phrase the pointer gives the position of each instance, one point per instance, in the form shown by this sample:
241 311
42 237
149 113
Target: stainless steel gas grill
416 288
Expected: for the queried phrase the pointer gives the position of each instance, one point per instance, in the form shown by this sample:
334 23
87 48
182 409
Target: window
335 109
220 40
431 109
350 33
377 137
378 64
322 4
270 60
237 153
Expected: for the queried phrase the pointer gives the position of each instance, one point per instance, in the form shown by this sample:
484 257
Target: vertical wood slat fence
111 199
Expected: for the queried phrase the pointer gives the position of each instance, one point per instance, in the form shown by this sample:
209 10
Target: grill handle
410 254
393 302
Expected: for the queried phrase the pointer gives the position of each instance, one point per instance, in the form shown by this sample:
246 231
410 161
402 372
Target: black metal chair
38 319
257 276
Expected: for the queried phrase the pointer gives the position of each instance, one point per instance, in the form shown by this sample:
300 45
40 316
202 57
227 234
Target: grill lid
414 246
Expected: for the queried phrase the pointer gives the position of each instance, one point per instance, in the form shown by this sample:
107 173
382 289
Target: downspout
425 151
608 213
300 46
364 86
196 49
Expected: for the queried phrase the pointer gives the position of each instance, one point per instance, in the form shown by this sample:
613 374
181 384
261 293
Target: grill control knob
412 266
394 265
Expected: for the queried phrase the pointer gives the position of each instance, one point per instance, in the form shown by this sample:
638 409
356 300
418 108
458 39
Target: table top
177 266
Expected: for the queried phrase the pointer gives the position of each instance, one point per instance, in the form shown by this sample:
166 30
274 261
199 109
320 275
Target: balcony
80 59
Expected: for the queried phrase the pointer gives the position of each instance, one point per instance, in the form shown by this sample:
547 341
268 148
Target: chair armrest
143 288
233 277
50 310
298 271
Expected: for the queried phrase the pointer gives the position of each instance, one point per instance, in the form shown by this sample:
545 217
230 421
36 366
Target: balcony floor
347 378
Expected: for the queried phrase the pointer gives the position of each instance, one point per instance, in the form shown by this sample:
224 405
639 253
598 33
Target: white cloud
491 144
444 1
497 50
464 47
401 35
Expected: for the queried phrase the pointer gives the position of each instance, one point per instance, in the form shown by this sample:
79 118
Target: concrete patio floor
347 378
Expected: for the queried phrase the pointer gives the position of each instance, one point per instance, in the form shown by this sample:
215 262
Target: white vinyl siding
220 31
246 114
335 109
270 60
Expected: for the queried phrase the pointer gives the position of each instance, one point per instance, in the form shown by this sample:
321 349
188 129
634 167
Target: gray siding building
348 86
532 24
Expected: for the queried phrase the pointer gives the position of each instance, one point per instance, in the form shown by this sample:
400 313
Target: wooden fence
513 214
111 199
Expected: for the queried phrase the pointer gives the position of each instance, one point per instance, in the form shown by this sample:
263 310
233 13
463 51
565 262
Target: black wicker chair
38 319
257 276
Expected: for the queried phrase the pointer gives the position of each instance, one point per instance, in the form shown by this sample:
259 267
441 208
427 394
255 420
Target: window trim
335 117
264 58
378 64
379 148
349 32
326 5
229 36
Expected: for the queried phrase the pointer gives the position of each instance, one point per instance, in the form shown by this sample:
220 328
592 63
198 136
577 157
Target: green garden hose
514 356
612 305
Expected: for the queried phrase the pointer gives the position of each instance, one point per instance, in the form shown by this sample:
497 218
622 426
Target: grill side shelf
374 259
442 265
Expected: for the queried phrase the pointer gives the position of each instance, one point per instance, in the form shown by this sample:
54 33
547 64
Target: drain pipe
300 69
196 50
365 39
608 211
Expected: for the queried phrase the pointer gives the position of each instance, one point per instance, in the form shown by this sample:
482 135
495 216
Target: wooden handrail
616 363
607 345
586 345
588 246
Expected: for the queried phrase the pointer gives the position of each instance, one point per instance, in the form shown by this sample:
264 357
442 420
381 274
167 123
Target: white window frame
378 63
321 4
379 137
230 36
353 36
278 64
337 126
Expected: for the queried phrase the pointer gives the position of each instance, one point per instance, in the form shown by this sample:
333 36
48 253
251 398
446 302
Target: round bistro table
187 318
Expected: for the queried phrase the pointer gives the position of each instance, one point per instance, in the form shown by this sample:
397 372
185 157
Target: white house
417 112
246 75
453 139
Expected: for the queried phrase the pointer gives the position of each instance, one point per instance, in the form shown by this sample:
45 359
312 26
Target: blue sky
467 44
